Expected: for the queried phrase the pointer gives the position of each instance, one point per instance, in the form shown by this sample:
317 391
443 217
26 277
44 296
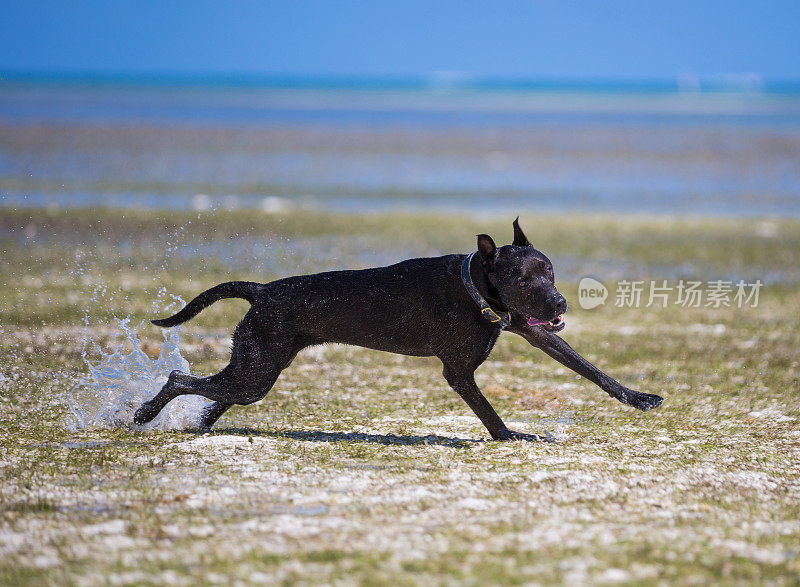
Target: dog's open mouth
553 325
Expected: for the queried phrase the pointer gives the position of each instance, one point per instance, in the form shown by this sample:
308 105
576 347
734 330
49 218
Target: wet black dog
450 307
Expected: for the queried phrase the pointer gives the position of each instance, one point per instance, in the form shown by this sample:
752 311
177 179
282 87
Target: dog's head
524 279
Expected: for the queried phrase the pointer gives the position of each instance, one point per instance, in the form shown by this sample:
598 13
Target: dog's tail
245 290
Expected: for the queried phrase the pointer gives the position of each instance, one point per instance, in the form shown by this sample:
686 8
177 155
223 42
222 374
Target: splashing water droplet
120 381
558 427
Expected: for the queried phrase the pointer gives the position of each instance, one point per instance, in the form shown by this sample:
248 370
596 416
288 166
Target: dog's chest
485 343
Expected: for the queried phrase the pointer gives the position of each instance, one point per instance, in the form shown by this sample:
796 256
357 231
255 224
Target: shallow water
734 154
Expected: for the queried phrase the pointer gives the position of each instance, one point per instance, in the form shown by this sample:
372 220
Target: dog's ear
520 240
487 251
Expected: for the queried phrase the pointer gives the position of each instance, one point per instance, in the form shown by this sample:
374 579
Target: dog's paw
642 401
522 436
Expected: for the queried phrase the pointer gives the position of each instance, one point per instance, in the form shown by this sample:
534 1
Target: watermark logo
716 293
591 293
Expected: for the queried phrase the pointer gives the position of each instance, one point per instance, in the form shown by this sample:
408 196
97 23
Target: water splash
121 380
558 427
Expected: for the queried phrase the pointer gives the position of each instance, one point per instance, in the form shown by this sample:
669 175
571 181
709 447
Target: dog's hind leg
230 386
214 387
225 388
213 413
255 366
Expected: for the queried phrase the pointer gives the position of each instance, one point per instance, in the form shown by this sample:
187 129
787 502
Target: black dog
450 307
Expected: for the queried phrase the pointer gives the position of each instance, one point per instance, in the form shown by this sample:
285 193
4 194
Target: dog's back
399 308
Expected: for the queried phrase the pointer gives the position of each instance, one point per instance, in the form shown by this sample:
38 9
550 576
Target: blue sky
534 39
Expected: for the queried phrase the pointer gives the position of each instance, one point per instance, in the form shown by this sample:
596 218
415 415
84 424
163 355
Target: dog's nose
561 304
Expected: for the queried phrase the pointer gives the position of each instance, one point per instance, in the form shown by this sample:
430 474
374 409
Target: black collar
503 321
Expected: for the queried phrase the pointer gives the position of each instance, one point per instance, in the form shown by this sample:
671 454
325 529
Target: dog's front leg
463 382
556 347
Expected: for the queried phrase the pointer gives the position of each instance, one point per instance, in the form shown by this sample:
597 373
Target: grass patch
362 466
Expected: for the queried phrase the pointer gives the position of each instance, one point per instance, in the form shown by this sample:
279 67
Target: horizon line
440 80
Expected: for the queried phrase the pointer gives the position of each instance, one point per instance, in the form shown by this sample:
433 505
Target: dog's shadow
362 437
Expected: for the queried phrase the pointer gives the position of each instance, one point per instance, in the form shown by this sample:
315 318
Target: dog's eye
522 283
549 271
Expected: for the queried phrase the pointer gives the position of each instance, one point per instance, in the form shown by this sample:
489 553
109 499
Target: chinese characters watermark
717 293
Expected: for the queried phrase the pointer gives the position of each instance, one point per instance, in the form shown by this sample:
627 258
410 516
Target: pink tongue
534 322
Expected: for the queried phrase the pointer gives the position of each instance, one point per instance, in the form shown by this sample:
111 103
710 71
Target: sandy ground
362 467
